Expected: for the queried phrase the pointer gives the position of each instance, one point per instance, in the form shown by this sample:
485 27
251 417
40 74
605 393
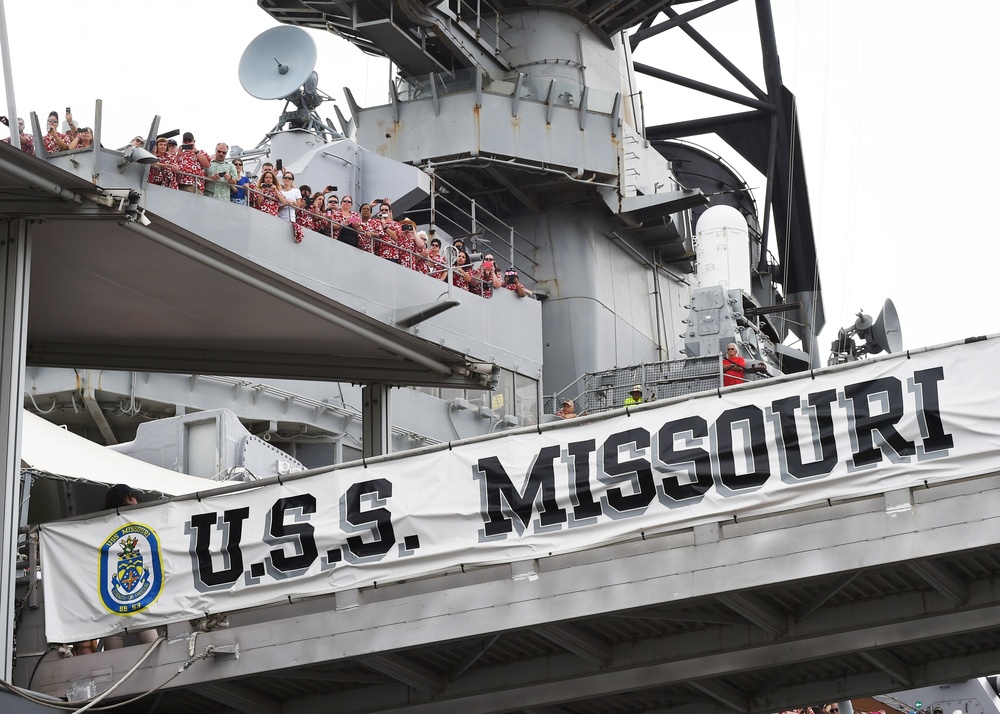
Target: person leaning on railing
239 191
266 196
485 279
733 367
162 172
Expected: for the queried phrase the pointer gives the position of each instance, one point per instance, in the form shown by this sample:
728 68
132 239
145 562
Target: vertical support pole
475 225
772 78
375 426
8 80
512 246
433 222
15 253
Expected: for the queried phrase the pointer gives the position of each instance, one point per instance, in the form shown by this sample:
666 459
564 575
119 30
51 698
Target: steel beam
575 640
724 694
15 253
890 664
939 577
239 698
756 611
405 671
376 424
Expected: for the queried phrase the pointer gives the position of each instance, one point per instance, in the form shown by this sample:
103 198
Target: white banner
869 428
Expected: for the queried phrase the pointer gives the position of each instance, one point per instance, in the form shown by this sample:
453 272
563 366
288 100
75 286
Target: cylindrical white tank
722 247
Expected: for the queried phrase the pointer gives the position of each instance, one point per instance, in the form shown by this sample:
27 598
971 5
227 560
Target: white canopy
48 448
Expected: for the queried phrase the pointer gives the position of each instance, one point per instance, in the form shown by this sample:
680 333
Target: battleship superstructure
515 125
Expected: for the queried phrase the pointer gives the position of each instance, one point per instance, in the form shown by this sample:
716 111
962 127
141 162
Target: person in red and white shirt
54 141
162 172
26 142
391 239
484 279
437 264
191 164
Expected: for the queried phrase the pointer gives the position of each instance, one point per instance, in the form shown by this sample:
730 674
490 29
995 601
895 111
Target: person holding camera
221 174
394 243
25 140
512 282
410 247
84 139
191 164
484 279
420 251
53 140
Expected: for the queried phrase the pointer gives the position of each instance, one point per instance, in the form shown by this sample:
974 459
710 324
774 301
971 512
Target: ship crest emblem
131 569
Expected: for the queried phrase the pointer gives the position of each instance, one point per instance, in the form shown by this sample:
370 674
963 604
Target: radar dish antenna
880 335
279 64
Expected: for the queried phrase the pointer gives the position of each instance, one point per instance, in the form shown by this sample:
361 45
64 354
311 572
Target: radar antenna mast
279 64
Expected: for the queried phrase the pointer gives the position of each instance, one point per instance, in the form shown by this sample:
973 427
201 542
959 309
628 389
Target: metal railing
596 392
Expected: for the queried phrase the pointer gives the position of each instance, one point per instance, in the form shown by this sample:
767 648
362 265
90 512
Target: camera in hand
488 265
187 147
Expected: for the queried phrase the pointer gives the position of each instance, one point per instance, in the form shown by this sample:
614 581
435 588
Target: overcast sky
897 105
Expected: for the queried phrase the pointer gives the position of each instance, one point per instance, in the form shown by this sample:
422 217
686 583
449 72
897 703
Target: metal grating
603 391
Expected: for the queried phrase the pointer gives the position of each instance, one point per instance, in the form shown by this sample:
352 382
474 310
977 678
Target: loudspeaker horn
886 333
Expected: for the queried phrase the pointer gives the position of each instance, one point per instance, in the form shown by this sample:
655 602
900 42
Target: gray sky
896 101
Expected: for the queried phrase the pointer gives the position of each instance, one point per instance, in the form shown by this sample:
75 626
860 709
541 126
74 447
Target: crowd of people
370 227
72 137
825 709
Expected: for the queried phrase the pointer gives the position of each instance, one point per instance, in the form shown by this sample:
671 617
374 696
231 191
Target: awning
50 449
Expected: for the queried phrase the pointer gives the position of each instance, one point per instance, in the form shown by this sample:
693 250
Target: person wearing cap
191 164
568 410
54 141
121 494
410 246
512 282
634 396
733 366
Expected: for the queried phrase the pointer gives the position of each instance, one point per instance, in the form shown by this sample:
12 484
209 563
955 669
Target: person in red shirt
162 173
27 143
191 163
733 367
53 140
